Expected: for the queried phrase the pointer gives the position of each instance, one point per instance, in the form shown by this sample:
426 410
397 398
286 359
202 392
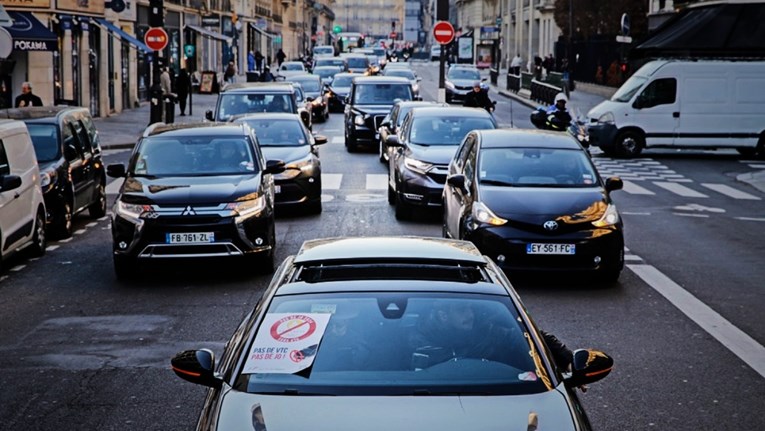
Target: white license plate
277 189
537 248
190 238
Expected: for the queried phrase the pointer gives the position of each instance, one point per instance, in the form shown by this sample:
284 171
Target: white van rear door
658 111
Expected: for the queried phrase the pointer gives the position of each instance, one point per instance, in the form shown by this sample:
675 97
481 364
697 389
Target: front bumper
597 249
421 190
602 135
368 133
301 190
457 94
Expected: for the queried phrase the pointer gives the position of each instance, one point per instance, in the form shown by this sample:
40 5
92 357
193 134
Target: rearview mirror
589 366
116 170
196 366
457 181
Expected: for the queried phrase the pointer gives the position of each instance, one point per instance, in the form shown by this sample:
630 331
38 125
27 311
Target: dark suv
250 98
195 190
71 171
369 101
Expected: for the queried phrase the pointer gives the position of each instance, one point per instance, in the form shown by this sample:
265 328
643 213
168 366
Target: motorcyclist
558 117
478 98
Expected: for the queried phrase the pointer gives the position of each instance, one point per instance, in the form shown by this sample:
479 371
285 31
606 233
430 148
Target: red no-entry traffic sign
443 32
156 38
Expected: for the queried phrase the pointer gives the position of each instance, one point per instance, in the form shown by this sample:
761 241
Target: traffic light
156 13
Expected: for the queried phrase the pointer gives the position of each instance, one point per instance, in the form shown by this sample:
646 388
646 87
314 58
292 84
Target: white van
22 210
685 104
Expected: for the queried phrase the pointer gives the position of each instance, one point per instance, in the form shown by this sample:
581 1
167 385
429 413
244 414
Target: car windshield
342 81
239 103
443 130
326 72
392 344
278 133
464 74
292 66
628 89
536 167
193 156
323 50
381 94
310 85
330 62
358 62
45 140
380 52
404 73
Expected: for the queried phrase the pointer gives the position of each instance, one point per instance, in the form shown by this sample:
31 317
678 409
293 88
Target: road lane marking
635 189
635 213
65 240
730 191
52 247
377 182
691 215
338 139
757 166
679 189
734 339
114 187
331 181
750 218
79 231
91 224
18 268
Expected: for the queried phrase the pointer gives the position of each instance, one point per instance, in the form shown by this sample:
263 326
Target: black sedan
405 333
314 94
426 143
194 190
533 200
338 90
391 123
284 137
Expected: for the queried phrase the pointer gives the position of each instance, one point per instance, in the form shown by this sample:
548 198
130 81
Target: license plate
277 189
536 248
190 238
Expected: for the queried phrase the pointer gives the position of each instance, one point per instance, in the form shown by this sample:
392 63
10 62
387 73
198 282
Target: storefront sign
212 20
90 6
27 3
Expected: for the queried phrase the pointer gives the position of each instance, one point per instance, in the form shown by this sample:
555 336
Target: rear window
381 94
45 140
237 104
358 62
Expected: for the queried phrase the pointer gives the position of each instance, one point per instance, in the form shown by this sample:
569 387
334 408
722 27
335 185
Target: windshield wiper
293 391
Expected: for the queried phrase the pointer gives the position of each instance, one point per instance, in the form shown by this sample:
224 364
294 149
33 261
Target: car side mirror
196 366
209 115
614 183
116 170
588 366
9 182
274 167
392 141
70 153
319 140
457 181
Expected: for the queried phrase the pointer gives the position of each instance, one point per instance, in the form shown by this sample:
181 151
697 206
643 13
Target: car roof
196 129
439 110
302 76
258 87
524 138
40 112
360 79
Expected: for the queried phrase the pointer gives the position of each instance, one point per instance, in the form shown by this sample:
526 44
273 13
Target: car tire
98 208
391 196
629 143
62 226
403 209
39 241
350 144
124 267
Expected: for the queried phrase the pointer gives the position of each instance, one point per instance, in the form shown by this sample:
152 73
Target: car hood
189 190
379 413
285 154
313 94
605 106
537 205
436 154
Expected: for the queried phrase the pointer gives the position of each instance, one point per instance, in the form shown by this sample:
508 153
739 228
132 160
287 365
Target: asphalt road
684 324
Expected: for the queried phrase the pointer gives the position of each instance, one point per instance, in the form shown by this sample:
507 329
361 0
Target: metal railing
513 82
544 92
493 75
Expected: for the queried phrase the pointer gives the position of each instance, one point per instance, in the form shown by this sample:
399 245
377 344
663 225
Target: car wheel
391 195
62 227
124 267
39 242
629 143
314 207
403 210
98 208
350 144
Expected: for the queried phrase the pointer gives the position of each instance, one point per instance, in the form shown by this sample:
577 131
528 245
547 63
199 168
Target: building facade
377 19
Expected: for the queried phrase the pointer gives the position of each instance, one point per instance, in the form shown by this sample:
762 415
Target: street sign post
443 33
156 38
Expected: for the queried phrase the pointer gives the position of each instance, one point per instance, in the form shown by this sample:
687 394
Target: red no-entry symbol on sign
443 32
156 38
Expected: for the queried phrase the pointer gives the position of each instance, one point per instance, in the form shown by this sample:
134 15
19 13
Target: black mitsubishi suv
369 101
195 190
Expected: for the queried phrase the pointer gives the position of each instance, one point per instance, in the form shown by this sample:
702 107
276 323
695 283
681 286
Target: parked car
459 81
392 122
427 141
369 100
314 94
533 201
195 190
389 332
338 91
291 68
68 151
22 207
284 137
238 99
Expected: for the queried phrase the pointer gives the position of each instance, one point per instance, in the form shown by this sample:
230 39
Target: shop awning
122 34
261 31
29 34
210 34
5 19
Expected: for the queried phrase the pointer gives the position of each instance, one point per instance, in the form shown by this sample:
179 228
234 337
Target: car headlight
610 217
483 214
359 120
607 118
47 178
248 207
133 212
415 88
417 165
293 169
449 85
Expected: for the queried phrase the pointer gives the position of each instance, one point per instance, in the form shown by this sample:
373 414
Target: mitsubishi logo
550 225
189 211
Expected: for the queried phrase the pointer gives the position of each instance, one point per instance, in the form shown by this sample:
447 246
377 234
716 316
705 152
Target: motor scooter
577 127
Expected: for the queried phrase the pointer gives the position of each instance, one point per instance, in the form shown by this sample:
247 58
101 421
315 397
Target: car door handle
16 195
676 115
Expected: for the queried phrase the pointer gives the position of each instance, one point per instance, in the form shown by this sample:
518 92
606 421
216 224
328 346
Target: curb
522 100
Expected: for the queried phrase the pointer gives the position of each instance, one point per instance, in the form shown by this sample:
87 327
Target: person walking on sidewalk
280 56
183 86
230 72
26 98
515 65
258 61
